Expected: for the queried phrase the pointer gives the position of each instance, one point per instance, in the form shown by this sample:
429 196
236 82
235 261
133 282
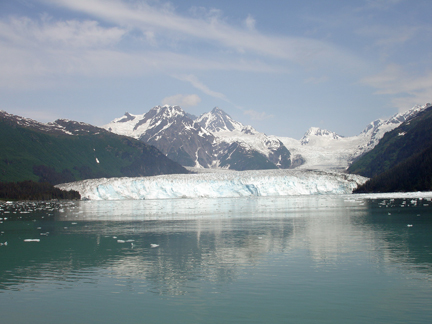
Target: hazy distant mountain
314 133
67 150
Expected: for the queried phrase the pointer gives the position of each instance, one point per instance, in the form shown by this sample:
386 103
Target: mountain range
166 138
215 140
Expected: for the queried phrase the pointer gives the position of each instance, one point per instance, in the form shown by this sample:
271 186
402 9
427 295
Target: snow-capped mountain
232 134
321 149
212 140
170 130
376 129
215 140
314 133
218 121
60 126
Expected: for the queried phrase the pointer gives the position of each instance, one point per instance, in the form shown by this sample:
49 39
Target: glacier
220 184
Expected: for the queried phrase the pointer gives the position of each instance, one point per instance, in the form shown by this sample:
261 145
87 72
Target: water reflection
208 240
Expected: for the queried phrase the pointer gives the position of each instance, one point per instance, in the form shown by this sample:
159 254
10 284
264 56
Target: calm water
263 260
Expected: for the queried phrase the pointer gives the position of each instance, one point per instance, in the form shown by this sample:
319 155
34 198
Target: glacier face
218 185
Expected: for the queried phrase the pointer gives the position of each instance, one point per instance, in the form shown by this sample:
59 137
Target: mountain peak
217 110
316 132
168 111
218 121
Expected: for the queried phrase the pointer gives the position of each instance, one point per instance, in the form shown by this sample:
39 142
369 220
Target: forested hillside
402 160
30 190
70 151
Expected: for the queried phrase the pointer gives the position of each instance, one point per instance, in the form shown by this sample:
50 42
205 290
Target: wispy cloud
182 100
49 48
250 22
165 21
255 115
196 83
389 36
23 31
407 88
317 80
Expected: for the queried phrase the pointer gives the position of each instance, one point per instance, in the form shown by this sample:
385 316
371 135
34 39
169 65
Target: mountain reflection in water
199 247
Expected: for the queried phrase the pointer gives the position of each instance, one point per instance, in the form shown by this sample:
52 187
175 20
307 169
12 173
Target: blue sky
280 66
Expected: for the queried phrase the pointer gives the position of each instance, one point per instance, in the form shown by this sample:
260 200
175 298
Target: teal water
320 259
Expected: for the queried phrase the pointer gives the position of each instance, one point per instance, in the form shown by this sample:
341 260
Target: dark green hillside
413 174
27 153
402 161
30 190
396 146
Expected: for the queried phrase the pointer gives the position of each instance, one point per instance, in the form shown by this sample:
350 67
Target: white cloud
182 100
317 80
255 115
250 22
193 80
212 28
408 90
386 36
24 31
43 52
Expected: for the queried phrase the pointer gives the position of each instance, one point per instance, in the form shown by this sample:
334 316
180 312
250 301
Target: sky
281 66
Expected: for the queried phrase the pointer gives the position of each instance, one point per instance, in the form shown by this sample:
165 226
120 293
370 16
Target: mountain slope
269 151
322 149
212 140
66 151
409 139
410 175
170 130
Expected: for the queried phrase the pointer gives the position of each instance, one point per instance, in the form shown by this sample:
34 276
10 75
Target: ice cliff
219 184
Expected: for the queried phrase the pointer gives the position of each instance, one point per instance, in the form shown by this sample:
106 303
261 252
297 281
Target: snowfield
218 185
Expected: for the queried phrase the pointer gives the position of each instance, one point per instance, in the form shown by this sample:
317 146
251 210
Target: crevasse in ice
219 184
